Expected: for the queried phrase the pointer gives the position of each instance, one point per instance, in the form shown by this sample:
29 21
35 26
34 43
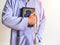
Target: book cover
26 11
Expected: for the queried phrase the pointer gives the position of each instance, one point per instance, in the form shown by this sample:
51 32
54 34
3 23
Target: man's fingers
33 13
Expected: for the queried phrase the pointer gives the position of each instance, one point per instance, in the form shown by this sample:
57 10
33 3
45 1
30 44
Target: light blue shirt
12 20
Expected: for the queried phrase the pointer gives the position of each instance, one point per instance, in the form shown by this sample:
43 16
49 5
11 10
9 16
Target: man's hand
32 19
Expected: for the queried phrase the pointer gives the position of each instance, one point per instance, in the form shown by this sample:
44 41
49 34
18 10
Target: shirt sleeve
42 20
13 22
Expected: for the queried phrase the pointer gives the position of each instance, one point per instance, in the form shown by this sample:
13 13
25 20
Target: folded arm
11 21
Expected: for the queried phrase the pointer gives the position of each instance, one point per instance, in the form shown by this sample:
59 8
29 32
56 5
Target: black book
26 11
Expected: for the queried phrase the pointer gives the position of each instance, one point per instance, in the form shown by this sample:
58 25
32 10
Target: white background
52 27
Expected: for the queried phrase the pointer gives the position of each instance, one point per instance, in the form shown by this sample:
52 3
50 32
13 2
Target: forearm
16 23
12 21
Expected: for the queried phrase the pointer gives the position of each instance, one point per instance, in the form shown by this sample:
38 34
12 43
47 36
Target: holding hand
32 19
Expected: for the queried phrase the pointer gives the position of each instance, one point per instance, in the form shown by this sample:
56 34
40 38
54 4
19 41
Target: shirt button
39 41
